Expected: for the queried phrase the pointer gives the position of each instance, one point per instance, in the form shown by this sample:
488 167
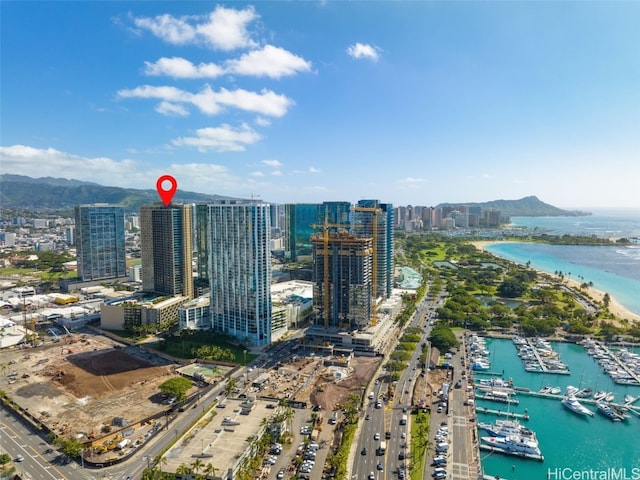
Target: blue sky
408 102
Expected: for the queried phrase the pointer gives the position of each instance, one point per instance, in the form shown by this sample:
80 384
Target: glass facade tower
100 242
240 270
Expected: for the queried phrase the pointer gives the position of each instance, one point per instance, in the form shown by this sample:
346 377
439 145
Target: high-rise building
100 242
366 212
299 218
166 248
240 270
342 279
200 242
302 220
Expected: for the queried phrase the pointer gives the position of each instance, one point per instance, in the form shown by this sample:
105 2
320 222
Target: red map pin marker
166 195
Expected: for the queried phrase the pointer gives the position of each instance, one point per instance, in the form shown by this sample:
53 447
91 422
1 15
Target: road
387 418
19 438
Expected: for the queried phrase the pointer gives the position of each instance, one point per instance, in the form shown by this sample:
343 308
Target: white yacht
575 406
515 445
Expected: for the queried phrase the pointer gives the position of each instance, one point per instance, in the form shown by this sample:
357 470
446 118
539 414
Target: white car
376 436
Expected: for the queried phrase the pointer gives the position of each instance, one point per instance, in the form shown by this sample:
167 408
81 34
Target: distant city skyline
415 103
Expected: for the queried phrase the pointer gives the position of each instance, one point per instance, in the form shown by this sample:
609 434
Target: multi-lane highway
382 419
40 462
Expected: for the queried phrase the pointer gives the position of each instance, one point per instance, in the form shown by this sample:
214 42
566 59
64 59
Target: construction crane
325 237
375 211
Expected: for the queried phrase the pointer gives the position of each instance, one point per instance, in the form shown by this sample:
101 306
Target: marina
622 366
557 428
538 356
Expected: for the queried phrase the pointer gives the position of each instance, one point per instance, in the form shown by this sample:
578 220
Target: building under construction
342 280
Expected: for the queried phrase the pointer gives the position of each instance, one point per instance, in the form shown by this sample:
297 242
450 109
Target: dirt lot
329 390
87 380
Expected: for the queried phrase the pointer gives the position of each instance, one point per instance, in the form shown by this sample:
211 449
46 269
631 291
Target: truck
445 391
403 420
382 448
123 443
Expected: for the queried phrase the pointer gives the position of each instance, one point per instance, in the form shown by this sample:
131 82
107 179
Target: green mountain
50 194
530 206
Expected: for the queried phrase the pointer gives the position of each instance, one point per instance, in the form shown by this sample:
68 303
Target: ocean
612 269
574 447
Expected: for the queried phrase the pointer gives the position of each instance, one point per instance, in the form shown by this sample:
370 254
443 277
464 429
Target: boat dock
502 413
486 372
621 364
491 397
536 354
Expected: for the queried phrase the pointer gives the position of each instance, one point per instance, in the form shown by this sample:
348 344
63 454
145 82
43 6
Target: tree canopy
443 339
176 387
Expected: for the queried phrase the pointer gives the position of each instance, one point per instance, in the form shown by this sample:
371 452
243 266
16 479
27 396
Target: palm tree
183 470
289 415
197 465
210 470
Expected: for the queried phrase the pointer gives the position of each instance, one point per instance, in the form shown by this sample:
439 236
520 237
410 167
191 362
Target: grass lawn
9 271
418 445
32 272
183 345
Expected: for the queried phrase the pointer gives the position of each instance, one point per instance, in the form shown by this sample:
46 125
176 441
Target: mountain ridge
530 206
17 191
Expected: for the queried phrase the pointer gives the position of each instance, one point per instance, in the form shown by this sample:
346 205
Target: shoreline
596 295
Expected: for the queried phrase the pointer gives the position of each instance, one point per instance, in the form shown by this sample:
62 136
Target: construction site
86 386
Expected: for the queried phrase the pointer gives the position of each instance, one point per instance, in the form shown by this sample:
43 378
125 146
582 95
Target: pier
492 397
537 355
620 364
486 372
501 413
627 407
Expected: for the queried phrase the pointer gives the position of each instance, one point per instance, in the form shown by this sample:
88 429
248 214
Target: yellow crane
375 211
325 238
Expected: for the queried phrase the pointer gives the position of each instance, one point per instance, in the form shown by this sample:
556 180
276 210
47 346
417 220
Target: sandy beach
614 307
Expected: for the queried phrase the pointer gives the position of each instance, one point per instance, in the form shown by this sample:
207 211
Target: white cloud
223 29
412 182
363 50
276 173
211 102
126 173
178 67
224 138
257 174
272 163
263 122
270 61
170 29
314 170
27 160
168 108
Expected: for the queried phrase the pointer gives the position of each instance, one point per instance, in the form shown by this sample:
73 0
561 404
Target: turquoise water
567 441
614 270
